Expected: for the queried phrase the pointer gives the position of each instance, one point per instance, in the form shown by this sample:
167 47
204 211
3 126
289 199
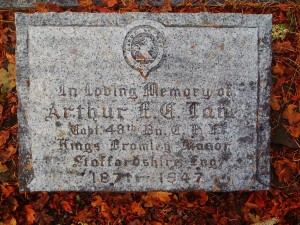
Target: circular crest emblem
143 48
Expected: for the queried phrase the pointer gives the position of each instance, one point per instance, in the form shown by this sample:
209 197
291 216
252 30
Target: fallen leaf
275 103
137 208
66 206
12 221
254 218
4 135
7 189
271 221
278 69
3 168
29 214
291 114
282 47
156 198
110 3
85 3
41 7
285 169
294 131
96 201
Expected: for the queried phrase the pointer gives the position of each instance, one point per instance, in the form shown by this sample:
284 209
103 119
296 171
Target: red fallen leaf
259 200
66 206
55 8
110 3
107 215
101 9
29 214
137 208
251 205
7 190
4 135
285 169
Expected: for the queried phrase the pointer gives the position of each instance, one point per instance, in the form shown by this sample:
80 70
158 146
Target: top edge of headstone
117 19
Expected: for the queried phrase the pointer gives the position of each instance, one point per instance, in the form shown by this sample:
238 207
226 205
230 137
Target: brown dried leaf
3 168
278 69
282 47
4 135
285 169
275 103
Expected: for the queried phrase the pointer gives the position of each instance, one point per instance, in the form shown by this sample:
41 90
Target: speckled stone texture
140 102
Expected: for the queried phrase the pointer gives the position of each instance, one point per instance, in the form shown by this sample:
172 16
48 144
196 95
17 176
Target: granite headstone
143 101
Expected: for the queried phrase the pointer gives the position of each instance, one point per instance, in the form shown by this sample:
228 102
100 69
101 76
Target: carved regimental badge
143 47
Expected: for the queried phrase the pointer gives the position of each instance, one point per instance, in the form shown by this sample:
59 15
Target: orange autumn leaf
137 208
29 214
294 131
41 7
11 58
275 103
110 3
66 206
156 198
7 190
97 201
85 3
291 114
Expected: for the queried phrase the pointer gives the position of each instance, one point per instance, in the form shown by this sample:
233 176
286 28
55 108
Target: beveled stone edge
261 21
